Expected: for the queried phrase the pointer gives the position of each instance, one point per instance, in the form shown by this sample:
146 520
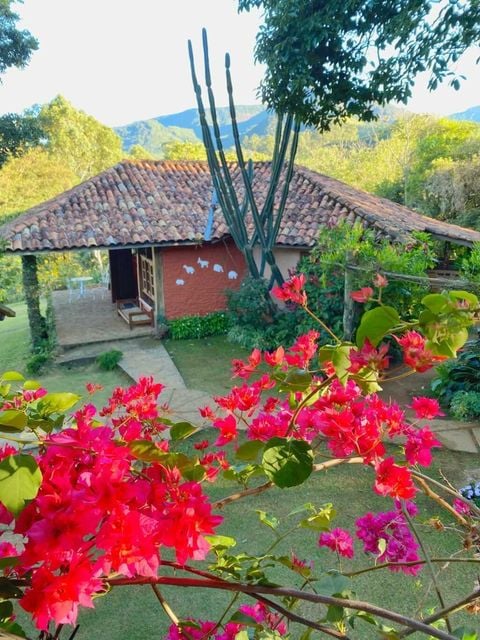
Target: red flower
338 540
245 369
393 480
418 449
415 354
426 408
362 295
228 430
368 356
292 290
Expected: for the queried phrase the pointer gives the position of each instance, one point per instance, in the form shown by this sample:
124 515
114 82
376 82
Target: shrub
462 374
36 362
251 305
212 324
108 360
465 405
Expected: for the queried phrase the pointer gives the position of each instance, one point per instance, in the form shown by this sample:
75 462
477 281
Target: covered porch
89 319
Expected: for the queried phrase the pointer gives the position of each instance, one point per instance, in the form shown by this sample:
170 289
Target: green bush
465 405
462 374
251 305
36 362
212 324
108 360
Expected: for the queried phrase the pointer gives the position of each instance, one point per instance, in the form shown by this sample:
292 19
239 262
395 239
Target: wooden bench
135 312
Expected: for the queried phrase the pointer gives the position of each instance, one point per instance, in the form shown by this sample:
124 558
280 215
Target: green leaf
335 613
56 403
221 542
296 380
338 355
287 463
248 451
6 610
182 430
436 303
376 324
267 519
8 589
12 420
321 520
9 561
31 385
332 584
465 295
12 376
20 479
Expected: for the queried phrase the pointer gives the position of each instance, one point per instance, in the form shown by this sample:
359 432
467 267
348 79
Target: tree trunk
38 327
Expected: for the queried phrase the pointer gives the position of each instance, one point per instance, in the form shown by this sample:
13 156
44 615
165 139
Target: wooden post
349 305
38 327
159 292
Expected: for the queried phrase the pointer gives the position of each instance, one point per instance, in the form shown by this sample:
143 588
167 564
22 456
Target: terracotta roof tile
163 202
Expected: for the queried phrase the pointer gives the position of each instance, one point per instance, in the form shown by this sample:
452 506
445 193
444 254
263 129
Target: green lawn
206 364
134 613
14 353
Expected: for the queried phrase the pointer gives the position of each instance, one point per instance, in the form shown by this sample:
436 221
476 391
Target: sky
124 61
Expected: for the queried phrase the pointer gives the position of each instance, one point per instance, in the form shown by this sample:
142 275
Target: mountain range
155 133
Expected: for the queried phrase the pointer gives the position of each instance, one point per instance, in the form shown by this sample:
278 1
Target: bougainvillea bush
107 499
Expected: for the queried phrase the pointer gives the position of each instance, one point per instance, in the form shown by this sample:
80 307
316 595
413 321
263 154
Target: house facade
169 247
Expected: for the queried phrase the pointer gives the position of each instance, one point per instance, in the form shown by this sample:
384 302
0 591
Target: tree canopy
16 45
327 61
18 133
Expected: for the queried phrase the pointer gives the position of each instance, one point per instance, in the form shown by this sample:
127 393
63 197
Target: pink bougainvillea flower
419 445
461 508
275 358
393 480
426 408
262 614
228 430
338 540
362 295
292 290
380 281
93 387
415 354
242 369
387 536
368 356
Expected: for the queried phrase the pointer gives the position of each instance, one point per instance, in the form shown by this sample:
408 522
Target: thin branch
443 503
165 606
428 563
417 474
281 592
410 563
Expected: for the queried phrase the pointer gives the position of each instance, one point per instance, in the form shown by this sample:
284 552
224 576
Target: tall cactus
267 218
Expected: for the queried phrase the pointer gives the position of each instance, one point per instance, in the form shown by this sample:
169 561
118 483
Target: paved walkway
148 357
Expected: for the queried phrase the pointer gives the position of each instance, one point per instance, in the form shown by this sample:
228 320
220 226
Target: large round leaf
287 462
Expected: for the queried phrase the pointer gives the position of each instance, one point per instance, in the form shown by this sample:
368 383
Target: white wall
286 259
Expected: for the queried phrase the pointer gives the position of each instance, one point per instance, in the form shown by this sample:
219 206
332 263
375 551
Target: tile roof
163 202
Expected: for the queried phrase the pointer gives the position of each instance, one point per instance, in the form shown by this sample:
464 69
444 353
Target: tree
85 145
325 64
16 45
32 178
137 152
18 133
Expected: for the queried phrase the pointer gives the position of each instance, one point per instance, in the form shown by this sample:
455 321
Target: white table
81 282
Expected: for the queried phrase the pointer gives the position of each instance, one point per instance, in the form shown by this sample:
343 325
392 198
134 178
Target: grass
134 613
205 364
14 353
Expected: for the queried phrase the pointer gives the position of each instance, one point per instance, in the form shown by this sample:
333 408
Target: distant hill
152 135
185 127
252 120
473 114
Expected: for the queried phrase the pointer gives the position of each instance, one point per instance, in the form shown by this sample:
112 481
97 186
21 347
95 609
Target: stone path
148 357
